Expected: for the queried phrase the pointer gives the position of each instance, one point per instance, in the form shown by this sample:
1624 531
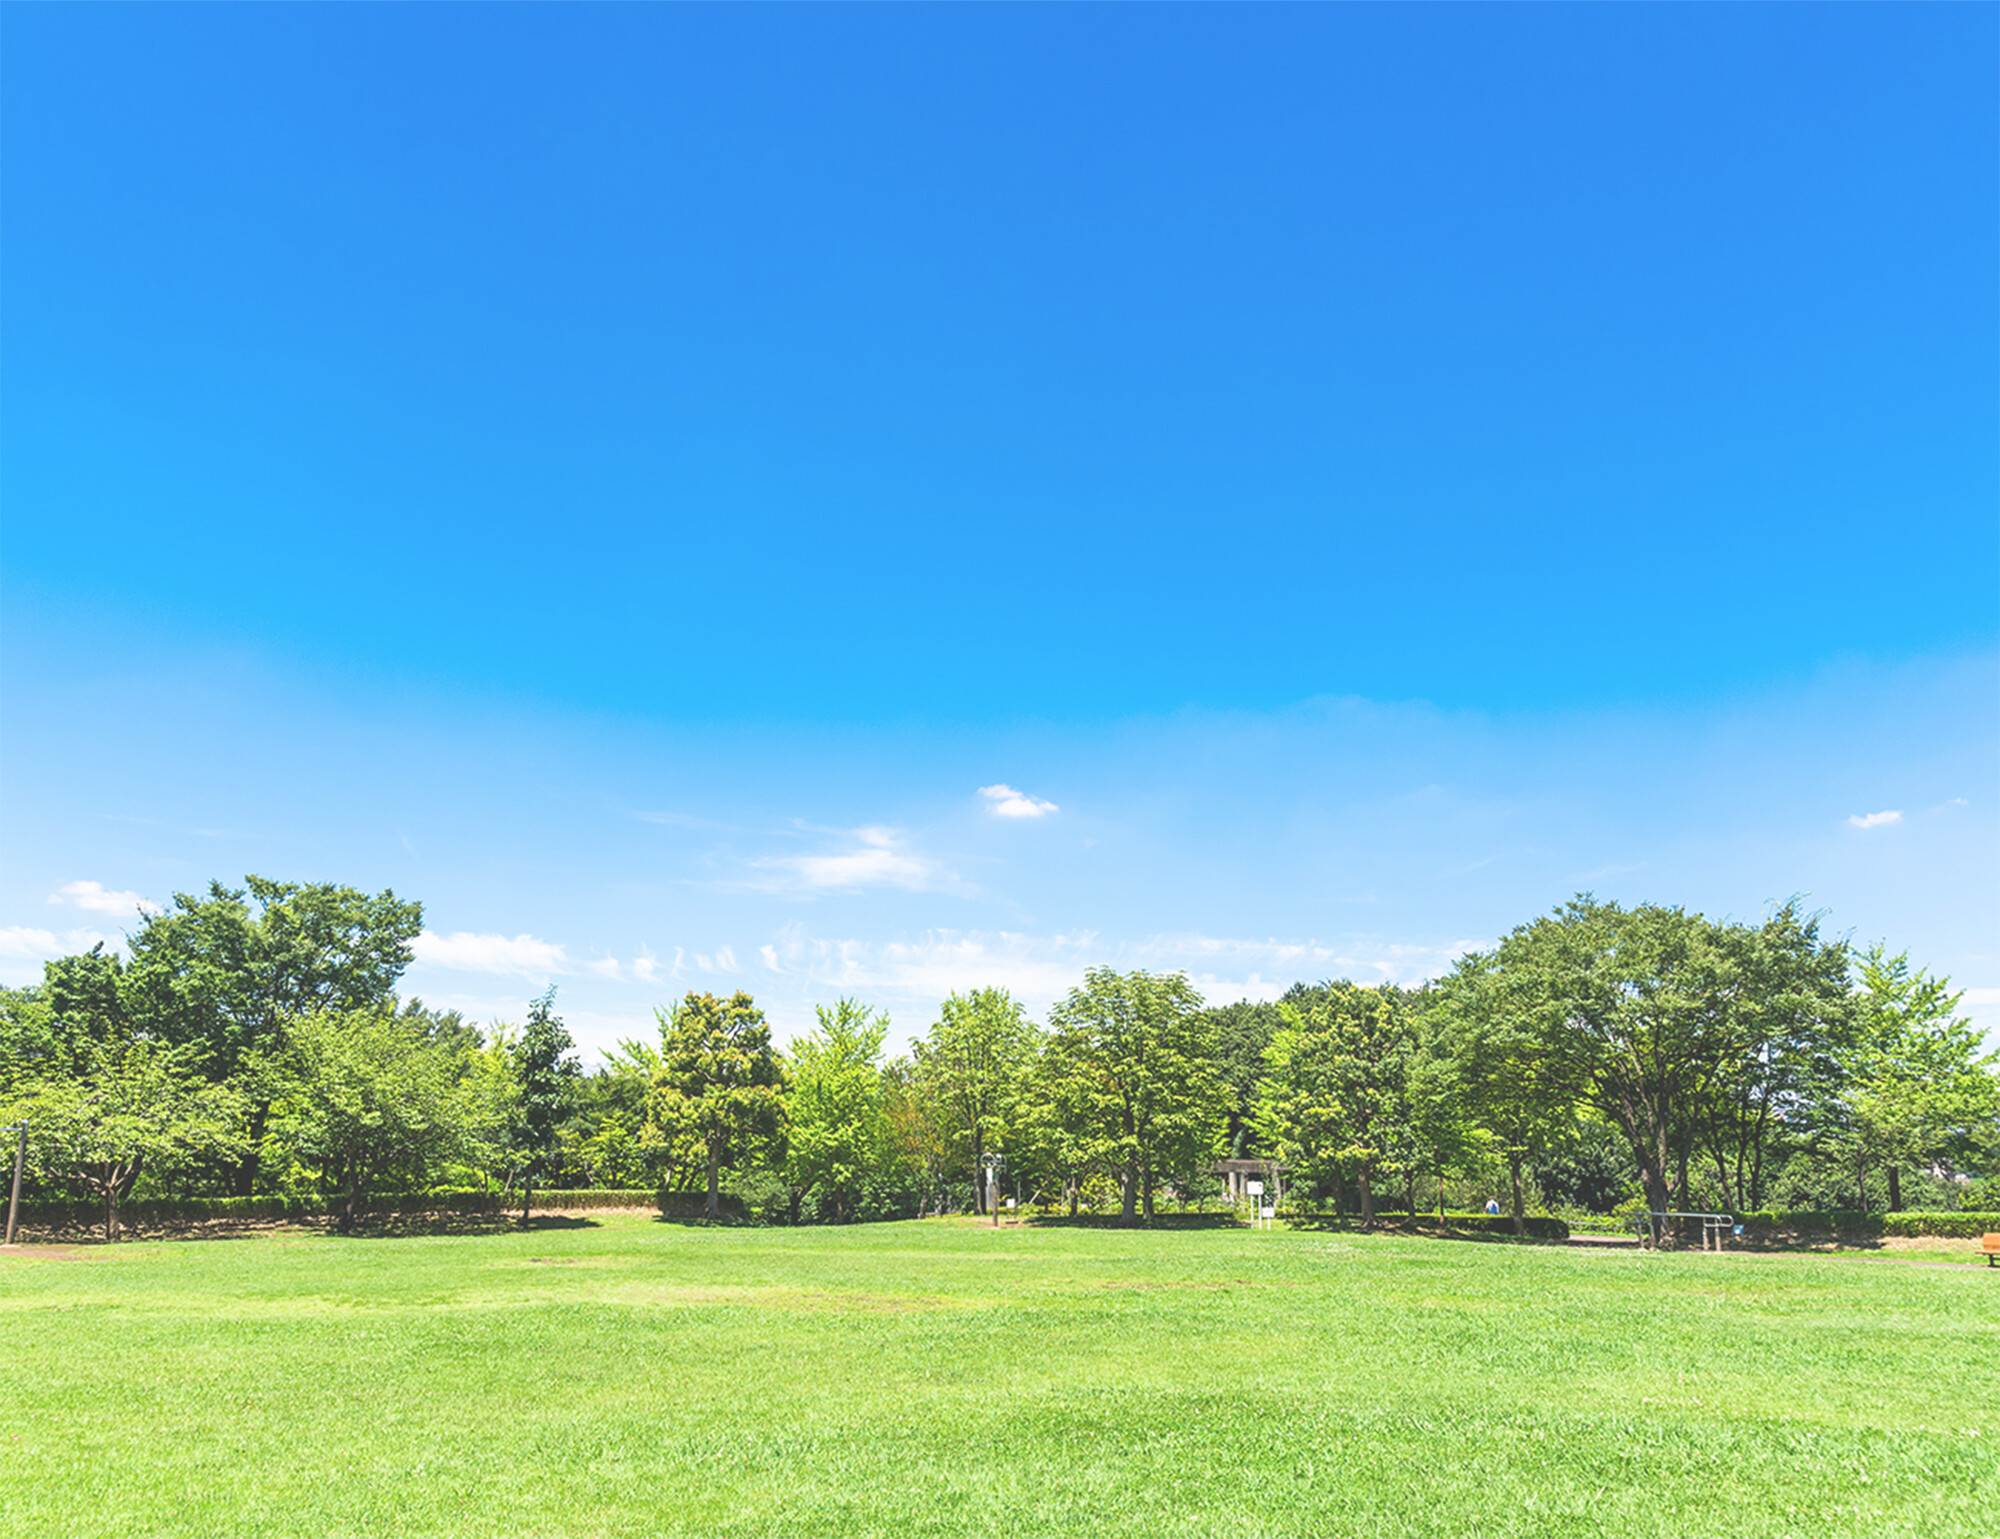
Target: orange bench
1989 1247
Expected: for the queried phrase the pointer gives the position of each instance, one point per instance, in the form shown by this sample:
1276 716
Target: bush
154 1211
695 1204
1949 1226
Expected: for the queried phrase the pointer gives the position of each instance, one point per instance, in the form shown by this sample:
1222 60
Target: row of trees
253 1043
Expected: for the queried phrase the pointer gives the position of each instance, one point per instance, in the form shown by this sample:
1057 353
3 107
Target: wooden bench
1989 1247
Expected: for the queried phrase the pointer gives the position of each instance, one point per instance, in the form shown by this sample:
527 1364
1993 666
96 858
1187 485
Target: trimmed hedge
147 1211
1947 1226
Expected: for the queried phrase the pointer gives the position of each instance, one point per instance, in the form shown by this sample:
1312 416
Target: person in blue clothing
1493 1206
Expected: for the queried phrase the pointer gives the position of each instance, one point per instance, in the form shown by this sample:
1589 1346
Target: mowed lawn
624 1375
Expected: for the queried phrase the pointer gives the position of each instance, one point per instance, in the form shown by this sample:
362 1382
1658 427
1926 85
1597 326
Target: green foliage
838 1137
1920 1090
1132 1080
974 1067
129 1108
369 1097
1338 1094
719 1085
545 1076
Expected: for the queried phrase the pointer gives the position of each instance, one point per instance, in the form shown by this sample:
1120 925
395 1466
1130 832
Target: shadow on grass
1114 1221
1323 1223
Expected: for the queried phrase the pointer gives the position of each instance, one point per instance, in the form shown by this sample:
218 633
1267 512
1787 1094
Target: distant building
1238 1174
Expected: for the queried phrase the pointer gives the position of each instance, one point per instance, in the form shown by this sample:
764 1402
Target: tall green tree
227 970
1648 1012
121 1111
1921 1092
1516 1082
1243 1033
1338 1094
546 1072
720 1083
370 1097
837 1136
1132 1072
974 1062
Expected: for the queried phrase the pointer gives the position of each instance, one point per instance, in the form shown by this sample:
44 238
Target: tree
1648 1012
1516 1085
127 1109
1921 1093
1132 1071
369 1096
226 971
719 1084
974 1063
546 1071
836 1134
1339 1087
1243 1033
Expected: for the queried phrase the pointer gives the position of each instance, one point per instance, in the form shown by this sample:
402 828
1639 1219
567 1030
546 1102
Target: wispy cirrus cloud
96 898
1876 819
1006 802
1041 969
873 857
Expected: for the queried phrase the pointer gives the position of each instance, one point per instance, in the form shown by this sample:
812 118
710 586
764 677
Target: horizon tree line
253 1043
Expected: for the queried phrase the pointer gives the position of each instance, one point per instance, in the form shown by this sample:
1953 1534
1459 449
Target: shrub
695 1204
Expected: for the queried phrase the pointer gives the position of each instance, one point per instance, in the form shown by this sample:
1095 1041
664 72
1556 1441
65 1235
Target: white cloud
646 968
94 898
1041 969
1875 819
24 948
721 960
1010 803
878 857
522 956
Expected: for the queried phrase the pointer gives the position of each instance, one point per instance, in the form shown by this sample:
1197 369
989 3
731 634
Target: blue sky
630 477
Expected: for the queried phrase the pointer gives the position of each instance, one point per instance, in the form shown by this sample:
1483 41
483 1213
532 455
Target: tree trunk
1146 1193
1895 1186
1514 1166
527 1196
248 1166
1075 1194
1129 1193
110 1212
1410 1191
1367 1194
714 1179
352 1207
979 1181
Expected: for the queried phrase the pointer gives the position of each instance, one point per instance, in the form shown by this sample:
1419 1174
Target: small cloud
1875 819
94 898
770 956
879 859
603 967
1010 803
23 943
646 968
522 956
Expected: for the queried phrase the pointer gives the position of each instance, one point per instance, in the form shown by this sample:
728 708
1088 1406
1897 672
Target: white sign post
1258 1211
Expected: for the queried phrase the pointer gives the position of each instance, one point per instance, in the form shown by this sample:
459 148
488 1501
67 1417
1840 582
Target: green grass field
621 1375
